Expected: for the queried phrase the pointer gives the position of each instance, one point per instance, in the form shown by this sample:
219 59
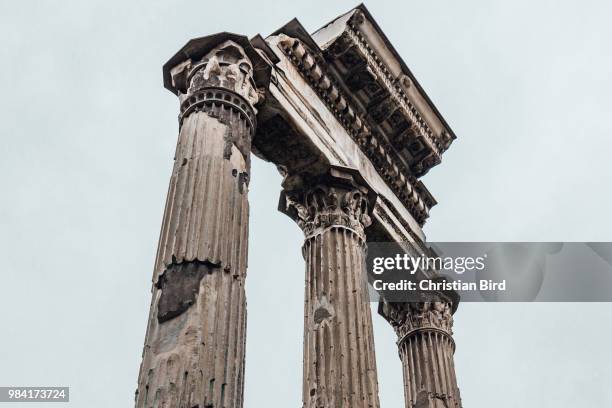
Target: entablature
343 96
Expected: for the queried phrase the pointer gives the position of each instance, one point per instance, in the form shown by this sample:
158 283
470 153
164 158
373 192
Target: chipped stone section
324 311
179 286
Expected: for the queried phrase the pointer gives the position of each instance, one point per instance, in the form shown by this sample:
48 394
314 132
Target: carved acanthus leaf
407 318
323 206
227 67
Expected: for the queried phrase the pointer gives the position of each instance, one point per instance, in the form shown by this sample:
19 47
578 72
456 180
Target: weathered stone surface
352 131
426 349
339 357
194 347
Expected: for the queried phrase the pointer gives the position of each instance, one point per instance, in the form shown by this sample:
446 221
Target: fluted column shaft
426 349
339 361
195 342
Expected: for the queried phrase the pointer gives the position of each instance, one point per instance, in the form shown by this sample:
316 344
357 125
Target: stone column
339 360
426 349
195 342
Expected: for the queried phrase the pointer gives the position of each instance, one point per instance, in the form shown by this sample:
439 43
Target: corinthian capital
408 318
338 199
226 66
221 70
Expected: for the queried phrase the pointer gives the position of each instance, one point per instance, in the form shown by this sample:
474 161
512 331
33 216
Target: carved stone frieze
375 147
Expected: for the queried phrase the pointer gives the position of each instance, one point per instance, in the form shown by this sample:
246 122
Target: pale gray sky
88 133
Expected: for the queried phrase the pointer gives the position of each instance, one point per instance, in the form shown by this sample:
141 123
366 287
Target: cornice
395 90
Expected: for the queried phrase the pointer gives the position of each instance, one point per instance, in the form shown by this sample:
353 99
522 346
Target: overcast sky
87 135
